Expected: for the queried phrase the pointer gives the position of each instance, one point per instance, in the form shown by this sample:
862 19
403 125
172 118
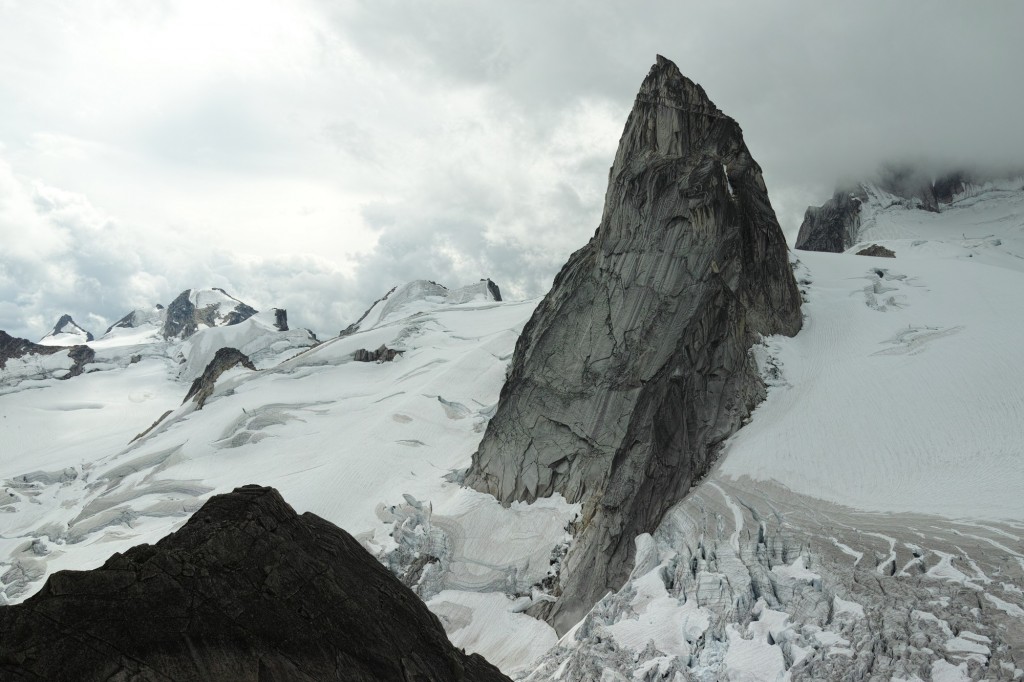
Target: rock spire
636 366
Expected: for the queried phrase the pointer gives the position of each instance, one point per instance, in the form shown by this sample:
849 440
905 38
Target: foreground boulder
246 590
636 365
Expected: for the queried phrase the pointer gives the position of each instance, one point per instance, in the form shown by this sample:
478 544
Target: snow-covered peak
66 333
194 309
138 318
420 296
260 337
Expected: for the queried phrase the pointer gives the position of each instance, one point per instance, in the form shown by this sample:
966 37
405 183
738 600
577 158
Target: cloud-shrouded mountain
799 466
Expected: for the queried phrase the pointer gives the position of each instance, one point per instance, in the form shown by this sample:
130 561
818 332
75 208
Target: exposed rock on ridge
66 329
635 366
225 359
14 348
246 590
382 354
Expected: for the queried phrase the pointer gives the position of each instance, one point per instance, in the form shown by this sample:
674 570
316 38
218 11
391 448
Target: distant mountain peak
193 308
403 299
66 333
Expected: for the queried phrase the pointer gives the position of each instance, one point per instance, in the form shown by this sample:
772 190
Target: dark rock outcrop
877 250
382 354
81 355
246 590
832 227
180 321
240 313
636 365
493 289
225 359
12 347
281 319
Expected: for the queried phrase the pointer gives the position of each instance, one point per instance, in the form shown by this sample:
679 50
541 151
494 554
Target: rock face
32 356
12 347
281 319
636 364
382 354
225 359
246 590
832 227
493 289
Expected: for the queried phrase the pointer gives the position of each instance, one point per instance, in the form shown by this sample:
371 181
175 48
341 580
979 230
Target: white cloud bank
309 154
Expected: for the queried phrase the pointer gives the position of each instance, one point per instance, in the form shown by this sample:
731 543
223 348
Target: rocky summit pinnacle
636 365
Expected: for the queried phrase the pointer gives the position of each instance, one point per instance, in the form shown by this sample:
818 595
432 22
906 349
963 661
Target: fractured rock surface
246 590
635 366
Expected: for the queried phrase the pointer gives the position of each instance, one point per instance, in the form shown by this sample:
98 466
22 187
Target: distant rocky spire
67 326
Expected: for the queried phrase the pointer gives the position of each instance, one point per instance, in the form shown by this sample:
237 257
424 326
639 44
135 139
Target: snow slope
867 523
902 393
368 446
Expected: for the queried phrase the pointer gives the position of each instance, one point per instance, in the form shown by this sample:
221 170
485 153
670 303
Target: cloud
311 154
64 255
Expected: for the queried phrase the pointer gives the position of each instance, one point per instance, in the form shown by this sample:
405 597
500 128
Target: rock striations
636 364
246 590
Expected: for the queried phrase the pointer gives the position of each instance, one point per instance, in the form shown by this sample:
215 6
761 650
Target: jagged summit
190 311
418 296
194 308
66 333
635 366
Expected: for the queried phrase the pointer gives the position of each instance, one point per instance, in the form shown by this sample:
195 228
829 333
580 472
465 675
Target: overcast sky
311 154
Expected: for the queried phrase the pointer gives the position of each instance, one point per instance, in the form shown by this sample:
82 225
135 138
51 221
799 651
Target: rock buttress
636 365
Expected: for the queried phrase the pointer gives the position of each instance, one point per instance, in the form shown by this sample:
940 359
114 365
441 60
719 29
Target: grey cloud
822 89
447 128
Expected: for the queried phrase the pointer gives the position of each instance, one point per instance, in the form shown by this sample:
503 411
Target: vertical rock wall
635 366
